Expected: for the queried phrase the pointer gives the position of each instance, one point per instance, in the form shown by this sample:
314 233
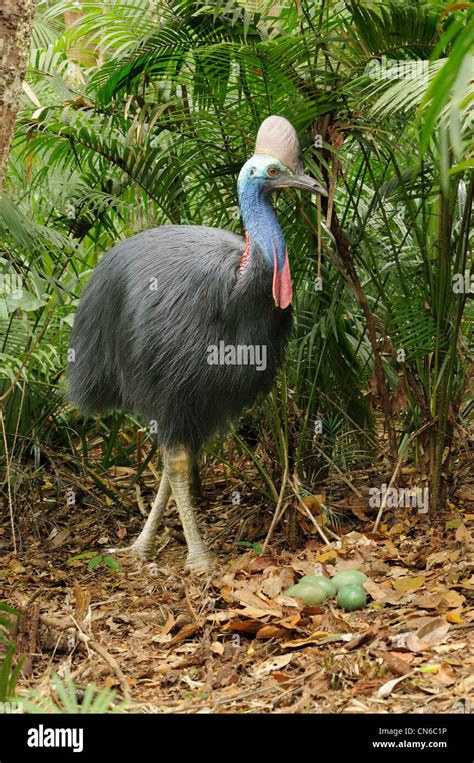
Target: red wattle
282 289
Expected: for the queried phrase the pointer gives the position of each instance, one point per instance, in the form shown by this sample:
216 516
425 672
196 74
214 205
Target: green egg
351 597
310 593
326 583
348 577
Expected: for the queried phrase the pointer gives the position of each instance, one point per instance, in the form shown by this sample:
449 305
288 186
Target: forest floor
232 641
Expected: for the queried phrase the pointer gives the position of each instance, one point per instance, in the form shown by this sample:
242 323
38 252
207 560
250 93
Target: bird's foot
199 560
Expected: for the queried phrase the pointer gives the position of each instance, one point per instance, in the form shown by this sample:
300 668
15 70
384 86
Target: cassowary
185 325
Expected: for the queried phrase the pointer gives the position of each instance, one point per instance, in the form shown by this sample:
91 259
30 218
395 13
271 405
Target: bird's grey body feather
148 316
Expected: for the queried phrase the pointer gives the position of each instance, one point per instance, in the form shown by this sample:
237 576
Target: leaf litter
232 640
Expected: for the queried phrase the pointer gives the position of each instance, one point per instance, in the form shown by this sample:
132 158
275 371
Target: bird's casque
277 137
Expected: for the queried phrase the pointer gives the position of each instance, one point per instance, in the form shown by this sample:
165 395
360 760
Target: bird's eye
252 171
272 171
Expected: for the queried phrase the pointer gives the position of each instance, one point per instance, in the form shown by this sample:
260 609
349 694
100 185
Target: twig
153 470
190 607
111 662
426 425
140 502
278 514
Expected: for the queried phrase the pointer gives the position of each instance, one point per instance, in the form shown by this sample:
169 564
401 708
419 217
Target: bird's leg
195 484
144 546
177 462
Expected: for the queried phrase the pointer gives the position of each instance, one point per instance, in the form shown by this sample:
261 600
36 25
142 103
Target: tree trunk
16 20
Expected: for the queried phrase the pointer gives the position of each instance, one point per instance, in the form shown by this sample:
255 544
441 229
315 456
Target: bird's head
267 174
277 161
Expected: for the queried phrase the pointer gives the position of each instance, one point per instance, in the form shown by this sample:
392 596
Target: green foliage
141 114
5 621
9 671
67 698
256 547
9 674
96 560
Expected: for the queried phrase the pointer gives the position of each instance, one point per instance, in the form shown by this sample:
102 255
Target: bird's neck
261 225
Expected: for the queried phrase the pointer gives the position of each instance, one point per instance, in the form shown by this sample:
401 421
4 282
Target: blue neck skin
260 220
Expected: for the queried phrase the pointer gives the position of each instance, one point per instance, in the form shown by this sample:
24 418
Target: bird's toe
146 553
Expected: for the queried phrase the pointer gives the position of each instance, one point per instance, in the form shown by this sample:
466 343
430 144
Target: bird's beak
304 183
